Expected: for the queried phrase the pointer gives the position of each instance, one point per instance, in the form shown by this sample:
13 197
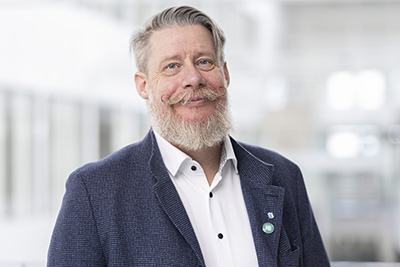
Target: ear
226 74
141 84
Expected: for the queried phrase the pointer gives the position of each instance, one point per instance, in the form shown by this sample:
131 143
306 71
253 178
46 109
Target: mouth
192 98
194 101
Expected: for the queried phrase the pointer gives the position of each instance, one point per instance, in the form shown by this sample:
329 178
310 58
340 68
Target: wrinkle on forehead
180 36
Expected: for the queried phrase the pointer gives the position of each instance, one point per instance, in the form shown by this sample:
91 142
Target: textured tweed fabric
124 211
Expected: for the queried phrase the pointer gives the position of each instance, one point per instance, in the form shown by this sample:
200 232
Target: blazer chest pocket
289 258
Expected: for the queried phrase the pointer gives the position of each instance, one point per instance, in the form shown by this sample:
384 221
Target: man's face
183 61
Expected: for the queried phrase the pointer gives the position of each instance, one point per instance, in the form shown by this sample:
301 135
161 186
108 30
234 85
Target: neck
209 159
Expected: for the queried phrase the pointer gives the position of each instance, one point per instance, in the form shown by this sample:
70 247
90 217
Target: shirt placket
219 224
195 173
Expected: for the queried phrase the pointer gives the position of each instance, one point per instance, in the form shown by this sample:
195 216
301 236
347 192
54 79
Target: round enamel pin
268 228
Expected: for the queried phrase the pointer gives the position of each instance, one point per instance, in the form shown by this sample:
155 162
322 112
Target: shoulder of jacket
132 156
271 157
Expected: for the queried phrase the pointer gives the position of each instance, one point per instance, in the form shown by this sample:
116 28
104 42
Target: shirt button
220 236
211 194
193 168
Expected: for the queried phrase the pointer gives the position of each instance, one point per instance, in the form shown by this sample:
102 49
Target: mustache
197 94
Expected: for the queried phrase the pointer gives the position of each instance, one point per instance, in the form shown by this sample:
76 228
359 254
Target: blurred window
364 90
350 141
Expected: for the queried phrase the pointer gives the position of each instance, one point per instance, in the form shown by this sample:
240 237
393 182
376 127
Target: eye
172 68
205 64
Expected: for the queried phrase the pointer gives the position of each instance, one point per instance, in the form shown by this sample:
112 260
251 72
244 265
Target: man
188 194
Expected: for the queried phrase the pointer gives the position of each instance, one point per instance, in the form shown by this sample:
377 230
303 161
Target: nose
192 77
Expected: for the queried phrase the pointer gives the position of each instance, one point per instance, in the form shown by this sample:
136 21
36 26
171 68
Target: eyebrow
170 58
179 58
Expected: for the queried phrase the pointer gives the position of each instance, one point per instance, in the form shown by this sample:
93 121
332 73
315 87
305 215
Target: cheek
217 83
165 86
216 77
157 107
155 96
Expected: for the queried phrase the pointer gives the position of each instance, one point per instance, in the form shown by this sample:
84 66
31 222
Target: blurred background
316 80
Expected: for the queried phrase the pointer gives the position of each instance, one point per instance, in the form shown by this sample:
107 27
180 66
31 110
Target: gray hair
172 17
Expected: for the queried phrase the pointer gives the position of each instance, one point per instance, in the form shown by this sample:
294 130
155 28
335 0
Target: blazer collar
168 197
264 203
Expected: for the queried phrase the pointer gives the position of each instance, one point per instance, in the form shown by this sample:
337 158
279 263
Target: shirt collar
173 157
230 154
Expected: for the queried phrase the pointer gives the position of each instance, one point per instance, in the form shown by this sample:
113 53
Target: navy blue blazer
125 211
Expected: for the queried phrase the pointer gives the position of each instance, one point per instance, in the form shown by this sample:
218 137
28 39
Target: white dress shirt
217 212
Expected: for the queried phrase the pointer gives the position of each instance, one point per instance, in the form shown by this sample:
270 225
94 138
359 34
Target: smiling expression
182 60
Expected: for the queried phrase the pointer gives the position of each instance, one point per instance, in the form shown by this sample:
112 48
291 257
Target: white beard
190 135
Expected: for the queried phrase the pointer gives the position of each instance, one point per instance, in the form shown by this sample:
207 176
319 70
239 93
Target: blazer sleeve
314 253
75 240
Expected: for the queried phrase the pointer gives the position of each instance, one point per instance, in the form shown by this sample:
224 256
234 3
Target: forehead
181 40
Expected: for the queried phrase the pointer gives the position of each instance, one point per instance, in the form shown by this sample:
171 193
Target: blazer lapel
169 199
264 203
